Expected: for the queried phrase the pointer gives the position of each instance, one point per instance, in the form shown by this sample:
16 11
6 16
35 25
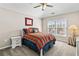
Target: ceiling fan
43 5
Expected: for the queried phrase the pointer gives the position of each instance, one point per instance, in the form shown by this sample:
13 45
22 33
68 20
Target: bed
38 41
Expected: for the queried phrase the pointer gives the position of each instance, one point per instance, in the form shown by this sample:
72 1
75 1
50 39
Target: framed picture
28 21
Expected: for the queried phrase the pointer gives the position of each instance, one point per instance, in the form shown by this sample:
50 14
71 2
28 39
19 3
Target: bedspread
40 39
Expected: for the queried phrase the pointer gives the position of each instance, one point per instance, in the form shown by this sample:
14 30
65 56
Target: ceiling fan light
44 7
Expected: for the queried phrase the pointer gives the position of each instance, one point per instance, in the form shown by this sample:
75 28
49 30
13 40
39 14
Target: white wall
72 18
11 24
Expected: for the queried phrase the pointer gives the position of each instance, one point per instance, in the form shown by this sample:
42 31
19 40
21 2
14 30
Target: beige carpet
59 49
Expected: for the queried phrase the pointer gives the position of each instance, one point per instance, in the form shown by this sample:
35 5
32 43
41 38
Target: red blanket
40 39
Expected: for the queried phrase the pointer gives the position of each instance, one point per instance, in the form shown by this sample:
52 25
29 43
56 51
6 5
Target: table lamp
73 29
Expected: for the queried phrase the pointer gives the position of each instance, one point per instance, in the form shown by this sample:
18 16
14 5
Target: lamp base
72 41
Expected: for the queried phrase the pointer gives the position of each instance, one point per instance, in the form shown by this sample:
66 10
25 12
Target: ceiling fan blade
37 6
49 5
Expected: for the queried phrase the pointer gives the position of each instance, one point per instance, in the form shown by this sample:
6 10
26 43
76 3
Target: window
57 27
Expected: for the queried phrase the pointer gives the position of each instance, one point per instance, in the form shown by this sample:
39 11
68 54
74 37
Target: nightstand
15 41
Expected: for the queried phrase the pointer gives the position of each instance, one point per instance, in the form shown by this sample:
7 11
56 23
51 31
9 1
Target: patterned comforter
40 39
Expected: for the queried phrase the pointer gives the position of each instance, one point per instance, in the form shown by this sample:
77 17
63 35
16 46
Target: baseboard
5 47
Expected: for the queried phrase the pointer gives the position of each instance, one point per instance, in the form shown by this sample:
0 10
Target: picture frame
28 21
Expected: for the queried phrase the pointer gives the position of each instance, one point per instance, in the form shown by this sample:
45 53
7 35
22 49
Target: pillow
30 30
25 30
35 30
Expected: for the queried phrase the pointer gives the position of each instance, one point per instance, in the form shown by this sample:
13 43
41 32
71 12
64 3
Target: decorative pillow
30 30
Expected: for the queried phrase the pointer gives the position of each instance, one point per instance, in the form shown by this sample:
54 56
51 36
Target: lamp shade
73 28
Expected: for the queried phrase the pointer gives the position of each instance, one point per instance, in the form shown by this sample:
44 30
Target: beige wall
72 18
11 24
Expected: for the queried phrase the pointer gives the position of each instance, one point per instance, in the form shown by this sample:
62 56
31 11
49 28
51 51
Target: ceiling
27 8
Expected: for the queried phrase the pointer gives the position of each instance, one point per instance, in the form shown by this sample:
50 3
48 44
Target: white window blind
57 27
